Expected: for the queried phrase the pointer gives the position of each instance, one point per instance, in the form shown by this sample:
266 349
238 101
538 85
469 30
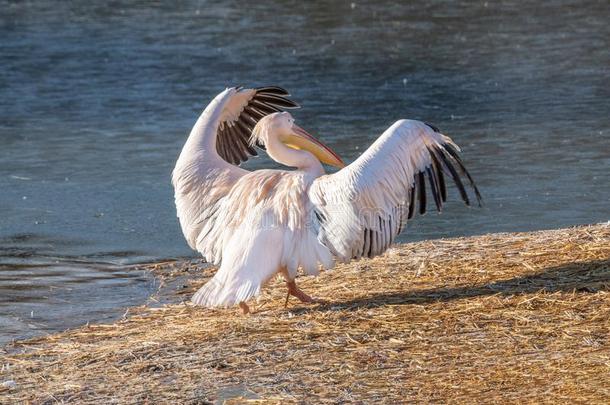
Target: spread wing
361 209
205 171
240 115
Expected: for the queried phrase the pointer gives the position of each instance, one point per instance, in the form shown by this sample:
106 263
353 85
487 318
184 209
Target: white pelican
256 224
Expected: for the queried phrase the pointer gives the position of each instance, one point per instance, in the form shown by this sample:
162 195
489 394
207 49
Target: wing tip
273 90
266 100
432 127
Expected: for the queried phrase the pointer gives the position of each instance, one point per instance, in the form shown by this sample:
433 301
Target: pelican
257 224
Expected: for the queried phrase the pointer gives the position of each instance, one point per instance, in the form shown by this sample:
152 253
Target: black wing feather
232 137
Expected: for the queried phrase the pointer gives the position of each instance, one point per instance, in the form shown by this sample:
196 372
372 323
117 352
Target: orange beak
301 139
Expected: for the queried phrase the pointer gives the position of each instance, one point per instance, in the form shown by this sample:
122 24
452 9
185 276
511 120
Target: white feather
364 205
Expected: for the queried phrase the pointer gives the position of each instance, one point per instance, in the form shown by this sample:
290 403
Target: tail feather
215 293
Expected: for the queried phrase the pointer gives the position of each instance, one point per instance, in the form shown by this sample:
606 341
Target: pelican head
281 126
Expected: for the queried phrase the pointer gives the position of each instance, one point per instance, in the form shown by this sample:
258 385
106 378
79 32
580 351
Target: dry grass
505 317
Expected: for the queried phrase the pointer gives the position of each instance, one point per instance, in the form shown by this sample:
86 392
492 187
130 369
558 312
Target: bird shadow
582 277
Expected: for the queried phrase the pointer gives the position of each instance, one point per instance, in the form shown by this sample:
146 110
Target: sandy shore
505 317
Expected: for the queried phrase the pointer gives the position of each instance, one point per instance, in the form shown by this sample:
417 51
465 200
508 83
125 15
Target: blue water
96 102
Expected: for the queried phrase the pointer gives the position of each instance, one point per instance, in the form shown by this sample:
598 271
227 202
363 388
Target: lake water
96 102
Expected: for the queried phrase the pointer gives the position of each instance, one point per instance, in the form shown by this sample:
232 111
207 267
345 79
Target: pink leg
244 307
297 292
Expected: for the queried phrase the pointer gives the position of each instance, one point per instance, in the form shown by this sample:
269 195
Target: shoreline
511 316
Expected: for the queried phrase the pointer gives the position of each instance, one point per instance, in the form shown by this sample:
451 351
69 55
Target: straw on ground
513 317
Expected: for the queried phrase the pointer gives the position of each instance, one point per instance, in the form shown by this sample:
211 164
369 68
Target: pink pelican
256 224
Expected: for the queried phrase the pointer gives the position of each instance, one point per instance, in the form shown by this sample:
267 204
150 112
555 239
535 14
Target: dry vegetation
505 317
